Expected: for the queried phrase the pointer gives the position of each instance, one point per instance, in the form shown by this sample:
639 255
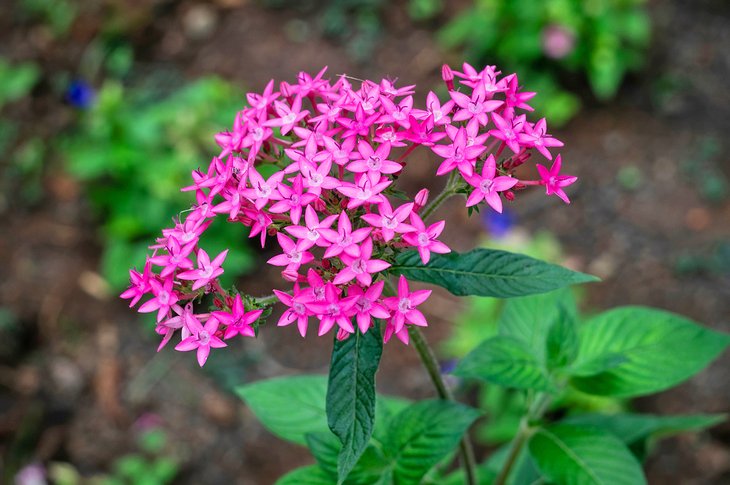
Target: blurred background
107 105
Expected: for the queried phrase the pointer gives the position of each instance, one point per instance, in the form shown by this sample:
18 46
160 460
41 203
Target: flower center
289 119
333 309
390 222
359 266
474 108
204 337
163 297
423 239
363 304
374 162
263 190
299 308
295 256
312 235
486 185
404 305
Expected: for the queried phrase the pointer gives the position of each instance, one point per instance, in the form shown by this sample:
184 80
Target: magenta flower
424 240
390 221
344 239
238 320
292 199
458 154
176 257
336 310
487 186
164 298
364 191
554 182
311 232
262 190
403 306
288 115
139 284
260 221
301 307
397 114
439 112
317 178
207 270
402 334
360 266
203 338
536 136
367 305
508 130
374 162
294 255
477 106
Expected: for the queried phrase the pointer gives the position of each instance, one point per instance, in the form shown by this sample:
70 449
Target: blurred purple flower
498 225
557 41
33 474
80 94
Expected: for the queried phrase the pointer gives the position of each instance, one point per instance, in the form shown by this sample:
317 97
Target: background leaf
351 394
572 455
423 434
290 407
661 350
505 361
487 272
308 475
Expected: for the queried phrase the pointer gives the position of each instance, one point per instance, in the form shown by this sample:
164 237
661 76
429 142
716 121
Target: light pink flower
487 186
207 270
424 240
360 266
203 338
403 306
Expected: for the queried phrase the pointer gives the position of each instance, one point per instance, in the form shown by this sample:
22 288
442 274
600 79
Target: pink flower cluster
312 165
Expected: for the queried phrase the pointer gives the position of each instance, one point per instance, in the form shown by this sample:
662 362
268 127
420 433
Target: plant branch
431 364
534 412
449 190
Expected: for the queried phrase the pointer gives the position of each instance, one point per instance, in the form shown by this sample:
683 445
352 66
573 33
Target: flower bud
421 199
285 89
509 195
448 76
342 334
290 275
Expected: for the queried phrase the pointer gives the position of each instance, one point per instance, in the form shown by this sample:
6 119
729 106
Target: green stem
449 190
431 364
266 300
534 412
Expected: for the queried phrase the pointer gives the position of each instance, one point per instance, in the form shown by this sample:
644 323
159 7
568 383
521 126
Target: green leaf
308 475
632 428
372 467
661 350
530 319
561 346
351 394
290 407
571 455
487 272
505 361
423 434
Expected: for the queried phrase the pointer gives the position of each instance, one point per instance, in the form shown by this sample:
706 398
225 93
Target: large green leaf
423 434
531 318
572 455
505 361
308 475
488 272
351 394
661 350
290 407
372 467
633 428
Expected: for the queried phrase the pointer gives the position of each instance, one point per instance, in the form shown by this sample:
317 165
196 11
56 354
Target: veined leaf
351 395
423 434
289 407
488 272
308 475
505 361
572 455
661 350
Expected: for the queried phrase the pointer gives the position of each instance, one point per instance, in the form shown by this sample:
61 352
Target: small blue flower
498 225
80 94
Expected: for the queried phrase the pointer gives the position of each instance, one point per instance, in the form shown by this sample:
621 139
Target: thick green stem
431 364
534 412
449 190
266 300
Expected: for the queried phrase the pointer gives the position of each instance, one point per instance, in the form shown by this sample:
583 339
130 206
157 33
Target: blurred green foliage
149 465
134 152
57 14
546 41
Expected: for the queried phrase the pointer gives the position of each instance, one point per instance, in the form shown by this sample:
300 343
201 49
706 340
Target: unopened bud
285 89
448 76
342 334
509 195
421 199
290 275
